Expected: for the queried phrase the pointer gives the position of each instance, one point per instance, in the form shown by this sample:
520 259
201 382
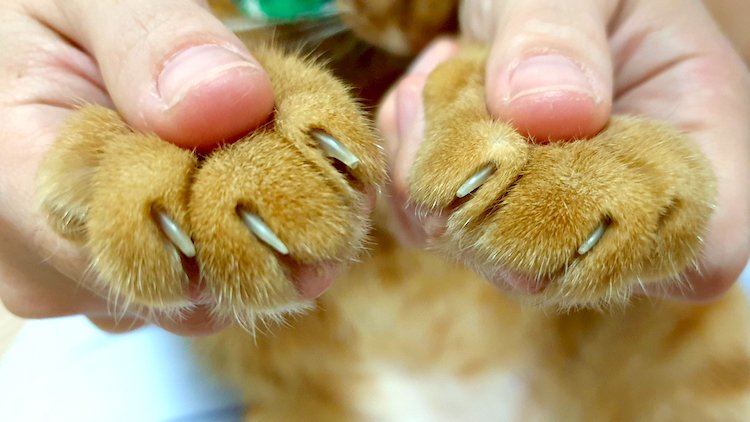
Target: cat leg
648 361
578 223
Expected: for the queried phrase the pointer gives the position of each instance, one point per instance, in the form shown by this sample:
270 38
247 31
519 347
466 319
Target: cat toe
123 196
138 228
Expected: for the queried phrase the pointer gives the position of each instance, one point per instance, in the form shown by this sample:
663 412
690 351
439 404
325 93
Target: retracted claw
335 149
175 234
472 183
261 230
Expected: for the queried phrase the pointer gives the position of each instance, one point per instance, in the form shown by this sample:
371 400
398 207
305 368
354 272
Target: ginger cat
408 334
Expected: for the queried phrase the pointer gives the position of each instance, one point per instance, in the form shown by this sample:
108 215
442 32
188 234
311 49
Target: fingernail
197 66
546 74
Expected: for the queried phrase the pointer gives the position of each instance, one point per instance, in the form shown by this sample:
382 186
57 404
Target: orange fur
416 312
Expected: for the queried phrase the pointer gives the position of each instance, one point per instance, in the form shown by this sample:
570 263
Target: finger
549 70
41 275
198 322
401 122
697 82
170 66
42 78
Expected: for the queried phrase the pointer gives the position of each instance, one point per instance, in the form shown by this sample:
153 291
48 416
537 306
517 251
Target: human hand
558 69
168 67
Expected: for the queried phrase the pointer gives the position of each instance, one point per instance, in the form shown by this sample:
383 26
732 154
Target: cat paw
251 230
578 223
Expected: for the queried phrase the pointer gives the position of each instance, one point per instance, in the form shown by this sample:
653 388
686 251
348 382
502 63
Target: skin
171 68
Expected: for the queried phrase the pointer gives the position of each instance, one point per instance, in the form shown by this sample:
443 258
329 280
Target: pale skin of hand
56 54
557 70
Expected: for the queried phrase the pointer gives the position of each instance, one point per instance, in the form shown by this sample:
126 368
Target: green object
285 10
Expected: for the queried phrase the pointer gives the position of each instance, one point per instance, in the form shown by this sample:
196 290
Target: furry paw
258 218
578 223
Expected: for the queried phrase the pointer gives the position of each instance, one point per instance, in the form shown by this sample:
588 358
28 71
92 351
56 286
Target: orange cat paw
262 219
576 223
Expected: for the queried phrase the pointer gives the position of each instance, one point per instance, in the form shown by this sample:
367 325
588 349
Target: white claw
334 148
593 239
175 234
262 231
475 181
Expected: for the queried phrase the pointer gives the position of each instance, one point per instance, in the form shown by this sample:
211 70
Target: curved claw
175 234
262 231
334 148
593 238
472 183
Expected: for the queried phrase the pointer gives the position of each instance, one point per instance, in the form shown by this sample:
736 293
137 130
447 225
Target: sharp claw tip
476 180
335 148
175 234
261 230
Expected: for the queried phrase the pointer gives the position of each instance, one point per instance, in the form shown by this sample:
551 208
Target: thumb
170 67
549 71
